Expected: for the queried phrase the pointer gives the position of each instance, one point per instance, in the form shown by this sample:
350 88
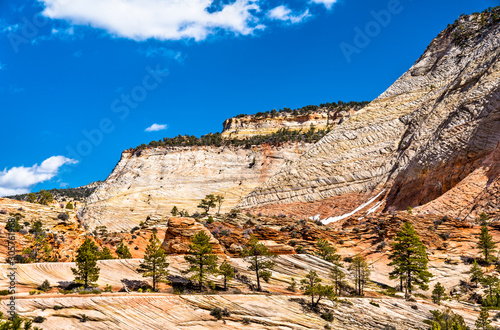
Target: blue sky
82 80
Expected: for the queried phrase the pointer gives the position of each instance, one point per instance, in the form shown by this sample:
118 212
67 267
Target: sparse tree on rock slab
155 263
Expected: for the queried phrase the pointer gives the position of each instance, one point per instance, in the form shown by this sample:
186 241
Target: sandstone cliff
149 184
431 139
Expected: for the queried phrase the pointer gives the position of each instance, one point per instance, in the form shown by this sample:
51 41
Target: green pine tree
105 254
486 244
226 270
86 270
260 259
207 203
361 273
326 251
447 320
482 322
155 263
123 251
409 259
476 273
438 294
337 275
219 199
174 211
200 258
312 287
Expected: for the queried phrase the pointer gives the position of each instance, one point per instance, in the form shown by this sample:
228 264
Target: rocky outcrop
436 126
179 233
150 182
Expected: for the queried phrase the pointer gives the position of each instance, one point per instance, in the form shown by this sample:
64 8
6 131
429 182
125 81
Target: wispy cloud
162 52
19 180
328 3
283 13
2 66
156 127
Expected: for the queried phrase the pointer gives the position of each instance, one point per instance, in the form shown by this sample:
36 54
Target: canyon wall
438 124
148 183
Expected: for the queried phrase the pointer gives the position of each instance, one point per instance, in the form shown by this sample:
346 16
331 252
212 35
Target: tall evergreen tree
123 251
326 251
260 259
86 270
105 254
200 258
40 248
409 259
476 273
227 271
438 293
486 244
155 263
361 273
337 276
482 322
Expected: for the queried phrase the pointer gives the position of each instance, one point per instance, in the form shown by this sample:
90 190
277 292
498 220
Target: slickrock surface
435 126
150 184
148 311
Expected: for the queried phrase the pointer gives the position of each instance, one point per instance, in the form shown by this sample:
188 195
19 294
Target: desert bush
4 292
39 319
374 303
32 292
245 321
136 228
327 316
62 216
45 286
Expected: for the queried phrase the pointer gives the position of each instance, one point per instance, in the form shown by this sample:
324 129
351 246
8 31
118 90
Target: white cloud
328 3
159 19
164 52
19 180
155 128
283 13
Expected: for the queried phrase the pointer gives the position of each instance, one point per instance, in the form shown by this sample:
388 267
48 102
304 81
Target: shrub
45 286
108 288
39 319
84 318
32 292
415 307
374 303
381 246
299 249
245 321
136 228
62 216
69 206
327 316
217 313
4 292
210 220
57 307
389 327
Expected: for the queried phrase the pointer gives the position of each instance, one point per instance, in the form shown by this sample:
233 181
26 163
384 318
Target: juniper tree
326 251
123 251
86 270
361 273
227 271
486 244
438 293
409 259
155 263
260 259
202 262
40 248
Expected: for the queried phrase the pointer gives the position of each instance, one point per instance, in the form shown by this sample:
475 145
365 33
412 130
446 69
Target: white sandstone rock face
431 129
152 182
